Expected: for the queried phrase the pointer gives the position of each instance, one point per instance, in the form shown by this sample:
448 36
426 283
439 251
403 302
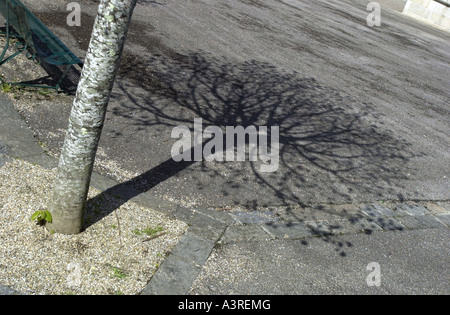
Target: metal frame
444 2
23 46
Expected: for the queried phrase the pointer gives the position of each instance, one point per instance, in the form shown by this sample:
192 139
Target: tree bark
87 117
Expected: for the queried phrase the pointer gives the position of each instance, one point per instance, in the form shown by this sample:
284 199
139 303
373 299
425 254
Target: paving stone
179 270
174 277
194 248
8 291
323 228
430 221
254 217
421 222
435 208
288 230
413 209
244 233
390 224
445 205
444 218
366 225
340 227
336 227
317 212
376 211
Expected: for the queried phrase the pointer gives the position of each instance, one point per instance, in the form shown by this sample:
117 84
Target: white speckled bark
88 115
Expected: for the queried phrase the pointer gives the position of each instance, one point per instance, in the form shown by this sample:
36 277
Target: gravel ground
112 256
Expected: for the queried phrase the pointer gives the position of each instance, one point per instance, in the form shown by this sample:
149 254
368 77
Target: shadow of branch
331 146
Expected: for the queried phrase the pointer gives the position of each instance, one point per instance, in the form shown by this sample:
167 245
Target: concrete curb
8 291
19 139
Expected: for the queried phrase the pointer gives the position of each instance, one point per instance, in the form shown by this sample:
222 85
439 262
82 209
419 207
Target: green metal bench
39 44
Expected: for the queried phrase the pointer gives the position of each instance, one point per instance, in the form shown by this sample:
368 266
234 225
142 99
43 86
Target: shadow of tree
331 147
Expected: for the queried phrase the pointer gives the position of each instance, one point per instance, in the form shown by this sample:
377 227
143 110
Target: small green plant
118 273
149 231
42 217
6 88
45 93
160 255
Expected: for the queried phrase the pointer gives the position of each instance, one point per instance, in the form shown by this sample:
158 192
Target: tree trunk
88 115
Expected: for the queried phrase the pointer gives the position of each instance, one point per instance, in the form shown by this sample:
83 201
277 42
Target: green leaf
42 216
35 215
48 217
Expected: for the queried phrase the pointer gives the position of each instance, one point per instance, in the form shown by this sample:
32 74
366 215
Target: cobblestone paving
327 220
